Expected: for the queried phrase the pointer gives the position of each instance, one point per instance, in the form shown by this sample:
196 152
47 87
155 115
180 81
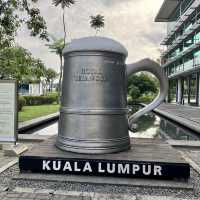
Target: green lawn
31 112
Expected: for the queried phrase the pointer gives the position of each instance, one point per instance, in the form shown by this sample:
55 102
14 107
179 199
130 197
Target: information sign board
8 111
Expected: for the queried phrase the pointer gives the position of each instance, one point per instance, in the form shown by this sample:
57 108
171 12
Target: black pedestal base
150 159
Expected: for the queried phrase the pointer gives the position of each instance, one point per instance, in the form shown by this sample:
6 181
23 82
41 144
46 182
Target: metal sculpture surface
93 114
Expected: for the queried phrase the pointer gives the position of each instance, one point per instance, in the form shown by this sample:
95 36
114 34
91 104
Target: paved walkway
189 115
73 195
186 115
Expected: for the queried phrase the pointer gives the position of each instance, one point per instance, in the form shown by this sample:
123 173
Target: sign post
8 111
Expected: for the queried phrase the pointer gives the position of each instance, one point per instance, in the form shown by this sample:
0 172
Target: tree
140 86
17 63
50 75
56 47
58 44
97 22
64 4
37 70
11 18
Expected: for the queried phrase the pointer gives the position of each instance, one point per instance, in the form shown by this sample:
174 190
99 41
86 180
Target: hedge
40 100
21 103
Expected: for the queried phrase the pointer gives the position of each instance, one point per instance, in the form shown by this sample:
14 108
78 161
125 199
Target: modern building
181 58
34 89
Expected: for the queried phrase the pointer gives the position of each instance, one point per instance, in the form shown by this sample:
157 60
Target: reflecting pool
154 126
148 126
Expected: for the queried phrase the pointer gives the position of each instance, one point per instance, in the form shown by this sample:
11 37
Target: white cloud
131 22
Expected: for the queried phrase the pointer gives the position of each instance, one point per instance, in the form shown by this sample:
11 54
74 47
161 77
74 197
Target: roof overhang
167 9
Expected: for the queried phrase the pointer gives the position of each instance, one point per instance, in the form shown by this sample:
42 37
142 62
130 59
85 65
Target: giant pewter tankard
93 114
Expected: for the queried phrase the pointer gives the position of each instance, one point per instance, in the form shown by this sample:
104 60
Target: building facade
181 58
33 89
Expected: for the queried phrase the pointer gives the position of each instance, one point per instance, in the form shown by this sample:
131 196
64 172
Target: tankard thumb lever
154 68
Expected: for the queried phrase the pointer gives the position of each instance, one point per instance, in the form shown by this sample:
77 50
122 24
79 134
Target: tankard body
93 114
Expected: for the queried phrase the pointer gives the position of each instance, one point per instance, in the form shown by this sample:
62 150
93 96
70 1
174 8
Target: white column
199 90
179 92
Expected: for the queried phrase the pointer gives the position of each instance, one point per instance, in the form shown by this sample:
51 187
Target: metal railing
181 21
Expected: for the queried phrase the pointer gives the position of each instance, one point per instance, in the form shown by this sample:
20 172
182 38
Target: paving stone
29 195
2 189
147 197
44 191
26 190
2 194
13 195
69 193
101 196
14 198
67 197
14 150
88 194
43 197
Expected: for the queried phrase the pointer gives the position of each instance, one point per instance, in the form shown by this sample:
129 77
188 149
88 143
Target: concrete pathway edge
23 126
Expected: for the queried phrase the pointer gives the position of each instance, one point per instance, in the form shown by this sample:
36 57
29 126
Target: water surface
148 126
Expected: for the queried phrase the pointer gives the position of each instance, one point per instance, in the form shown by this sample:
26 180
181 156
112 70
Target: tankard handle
154 68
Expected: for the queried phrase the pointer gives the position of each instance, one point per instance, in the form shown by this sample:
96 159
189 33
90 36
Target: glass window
188 62
197 37
193 89
197 58
187 44
198 14
185 5
172 90
170 26
179 66
175 53
185 90
187 26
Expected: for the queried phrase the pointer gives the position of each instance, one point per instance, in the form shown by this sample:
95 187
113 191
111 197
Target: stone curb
93 195
184 143
8 165
106 181
27 125
187 123
184 122
187 158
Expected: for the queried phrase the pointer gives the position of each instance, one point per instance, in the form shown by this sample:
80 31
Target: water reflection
154 126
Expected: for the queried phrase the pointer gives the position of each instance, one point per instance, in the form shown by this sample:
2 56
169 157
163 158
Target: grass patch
31 112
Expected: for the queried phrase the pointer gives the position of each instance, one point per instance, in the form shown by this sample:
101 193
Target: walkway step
24 126
185 115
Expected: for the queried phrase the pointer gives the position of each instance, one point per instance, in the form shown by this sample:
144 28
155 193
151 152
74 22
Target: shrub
40 100
147 98
54 95
21 103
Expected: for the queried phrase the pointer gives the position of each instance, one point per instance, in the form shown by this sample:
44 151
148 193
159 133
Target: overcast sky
131 22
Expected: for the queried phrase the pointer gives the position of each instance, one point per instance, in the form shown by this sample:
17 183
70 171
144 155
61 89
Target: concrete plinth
147 158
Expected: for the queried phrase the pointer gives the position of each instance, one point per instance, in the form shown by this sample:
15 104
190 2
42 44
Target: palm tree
50 75
56 47
64 4
97 22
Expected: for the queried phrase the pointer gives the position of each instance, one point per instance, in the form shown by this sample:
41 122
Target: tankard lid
95 44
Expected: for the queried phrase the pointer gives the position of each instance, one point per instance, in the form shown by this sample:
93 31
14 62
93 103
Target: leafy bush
40 100
142 88
21 103
147 98
53 95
